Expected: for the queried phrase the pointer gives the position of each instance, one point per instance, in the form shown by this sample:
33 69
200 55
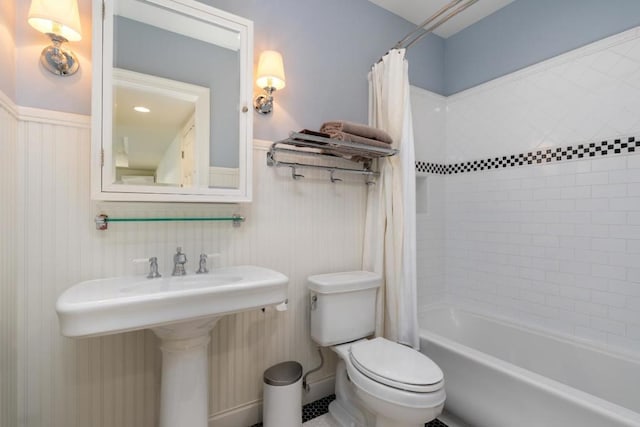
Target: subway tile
633 332
587 281
633 303
565 279
609 217
624 315
609 163
608 244
563 303
633 245
575 217
590 308
547 193
597 257
593 230
608 298
576 192
562 205
623 260
607 325
625 204
575 293
624 176
546 241
609 271
611 190
592 178
592 204
633 162
575 242
633 218
624 287
624 231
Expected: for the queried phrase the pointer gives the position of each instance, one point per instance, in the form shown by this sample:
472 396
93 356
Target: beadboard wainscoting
8 256
300 228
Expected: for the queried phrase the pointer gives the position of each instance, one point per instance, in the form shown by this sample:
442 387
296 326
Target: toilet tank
343 306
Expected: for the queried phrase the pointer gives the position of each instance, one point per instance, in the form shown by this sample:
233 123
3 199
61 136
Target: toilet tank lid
347 281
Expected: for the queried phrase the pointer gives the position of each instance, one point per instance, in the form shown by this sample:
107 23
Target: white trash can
282 397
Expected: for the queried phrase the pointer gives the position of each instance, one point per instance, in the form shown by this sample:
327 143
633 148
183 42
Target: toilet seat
396 365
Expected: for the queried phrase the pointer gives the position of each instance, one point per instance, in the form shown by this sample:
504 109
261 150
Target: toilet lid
396 365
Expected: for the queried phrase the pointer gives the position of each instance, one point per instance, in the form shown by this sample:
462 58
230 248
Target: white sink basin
181 311
107 306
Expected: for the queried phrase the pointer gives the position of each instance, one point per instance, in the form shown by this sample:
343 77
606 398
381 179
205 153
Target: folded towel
339 126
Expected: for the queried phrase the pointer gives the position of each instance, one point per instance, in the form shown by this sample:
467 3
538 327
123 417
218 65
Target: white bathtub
498 374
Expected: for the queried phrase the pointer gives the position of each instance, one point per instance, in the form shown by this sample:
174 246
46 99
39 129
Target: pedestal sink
181 311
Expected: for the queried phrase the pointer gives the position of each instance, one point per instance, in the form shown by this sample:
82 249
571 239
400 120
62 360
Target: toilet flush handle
314 301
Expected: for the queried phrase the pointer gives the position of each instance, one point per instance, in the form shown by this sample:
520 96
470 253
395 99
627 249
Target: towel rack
320 147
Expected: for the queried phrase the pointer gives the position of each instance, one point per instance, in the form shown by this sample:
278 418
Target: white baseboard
251 413
319 389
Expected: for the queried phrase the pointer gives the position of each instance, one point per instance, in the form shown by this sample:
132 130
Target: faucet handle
202 267
153 266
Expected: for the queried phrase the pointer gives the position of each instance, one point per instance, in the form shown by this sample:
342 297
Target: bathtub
498 374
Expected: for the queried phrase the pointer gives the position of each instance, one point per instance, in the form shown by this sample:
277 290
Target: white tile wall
430 138
298 227
585 95
562 257
8 282
430 127
553 245
430 239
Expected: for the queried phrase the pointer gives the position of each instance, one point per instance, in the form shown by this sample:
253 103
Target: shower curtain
390 228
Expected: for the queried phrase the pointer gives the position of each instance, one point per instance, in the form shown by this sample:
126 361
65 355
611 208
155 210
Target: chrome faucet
179 260
153 268
202 268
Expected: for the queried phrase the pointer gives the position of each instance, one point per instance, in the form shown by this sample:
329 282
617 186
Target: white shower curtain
390 229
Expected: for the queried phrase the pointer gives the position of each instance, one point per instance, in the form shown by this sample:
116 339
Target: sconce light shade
60 17
270 77
270 70
60 20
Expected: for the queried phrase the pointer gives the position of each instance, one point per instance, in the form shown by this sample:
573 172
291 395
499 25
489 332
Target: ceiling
417 11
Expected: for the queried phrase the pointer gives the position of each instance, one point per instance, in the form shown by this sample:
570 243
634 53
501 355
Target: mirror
171 97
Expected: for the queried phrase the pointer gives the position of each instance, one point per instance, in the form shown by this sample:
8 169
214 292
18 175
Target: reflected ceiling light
60 20
270 78
141 109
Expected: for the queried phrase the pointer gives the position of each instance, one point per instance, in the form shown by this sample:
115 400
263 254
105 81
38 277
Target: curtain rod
428 21
447 17
422 32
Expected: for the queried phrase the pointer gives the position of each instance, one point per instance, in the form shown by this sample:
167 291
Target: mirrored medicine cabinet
171 95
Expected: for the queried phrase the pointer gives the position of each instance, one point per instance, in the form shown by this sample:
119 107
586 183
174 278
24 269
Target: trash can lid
285 373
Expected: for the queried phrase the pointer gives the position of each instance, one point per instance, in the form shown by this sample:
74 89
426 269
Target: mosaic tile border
321 406
571 152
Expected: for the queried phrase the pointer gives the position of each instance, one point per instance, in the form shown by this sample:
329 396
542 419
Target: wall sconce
270 78
60 20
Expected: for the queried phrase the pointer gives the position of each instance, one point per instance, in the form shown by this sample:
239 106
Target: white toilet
379 383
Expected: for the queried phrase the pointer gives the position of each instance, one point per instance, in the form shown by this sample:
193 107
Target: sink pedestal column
184 394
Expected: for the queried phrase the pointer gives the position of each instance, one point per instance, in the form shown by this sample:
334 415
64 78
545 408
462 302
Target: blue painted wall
529 31
8 48
328 48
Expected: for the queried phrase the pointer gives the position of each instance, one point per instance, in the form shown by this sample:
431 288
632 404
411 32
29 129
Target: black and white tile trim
321 406
571 152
